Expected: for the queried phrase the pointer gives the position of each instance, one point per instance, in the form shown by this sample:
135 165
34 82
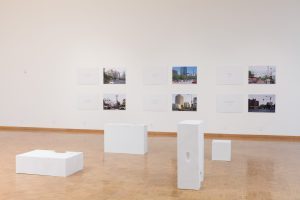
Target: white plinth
48 162
190 154
125 138
221 150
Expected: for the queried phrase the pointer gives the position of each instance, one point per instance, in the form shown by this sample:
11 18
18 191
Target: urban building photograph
261 103
262 75
184 102
184 75
114 76
114 102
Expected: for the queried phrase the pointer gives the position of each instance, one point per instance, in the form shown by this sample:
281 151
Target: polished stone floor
259 170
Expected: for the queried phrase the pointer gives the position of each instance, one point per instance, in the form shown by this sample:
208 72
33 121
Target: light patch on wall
88 102
88 76
155 103
155 76
229 103
230 76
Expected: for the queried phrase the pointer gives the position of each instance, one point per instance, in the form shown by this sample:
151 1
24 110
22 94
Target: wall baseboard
159 134
253 137
41 129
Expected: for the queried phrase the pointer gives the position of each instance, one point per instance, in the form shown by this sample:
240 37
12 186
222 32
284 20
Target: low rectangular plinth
50 163
221 150
190 154
125 138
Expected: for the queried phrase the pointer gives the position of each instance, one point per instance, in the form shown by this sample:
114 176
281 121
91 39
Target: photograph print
184 102
262 75
184 75
261 103
114 102
114 76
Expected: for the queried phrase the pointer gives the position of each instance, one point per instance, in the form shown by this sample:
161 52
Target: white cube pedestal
125 138
190 154
48 162
221 150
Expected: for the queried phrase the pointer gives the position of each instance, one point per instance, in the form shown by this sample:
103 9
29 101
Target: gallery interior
148 99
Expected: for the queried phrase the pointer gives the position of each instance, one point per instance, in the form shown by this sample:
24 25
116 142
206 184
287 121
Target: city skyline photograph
184 102
261 103
262 75
114 102
114 76
184 75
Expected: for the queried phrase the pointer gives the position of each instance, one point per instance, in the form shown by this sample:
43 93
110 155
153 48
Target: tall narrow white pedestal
190 154
125 138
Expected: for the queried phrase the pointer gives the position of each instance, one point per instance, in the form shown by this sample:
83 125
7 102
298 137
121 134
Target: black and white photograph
114 76
114 102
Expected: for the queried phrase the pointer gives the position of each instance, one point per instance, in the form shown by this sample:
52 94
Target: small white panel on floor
190 154
48 162
221 150
125 138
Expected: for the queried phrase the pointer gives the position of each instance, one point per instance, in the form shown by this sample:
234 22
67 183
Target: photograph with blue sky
184 75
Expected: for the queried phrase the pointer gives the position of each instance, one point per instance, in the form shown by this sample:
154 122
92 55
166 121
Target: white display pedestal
190 154
221 150
125 138
48 162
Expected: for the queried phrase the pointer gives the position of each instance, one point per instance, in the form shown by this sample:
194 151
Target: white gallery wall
45 43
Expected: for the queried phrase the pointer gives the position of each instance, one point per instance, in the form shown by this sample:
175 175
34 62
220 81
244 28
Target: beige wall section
44 43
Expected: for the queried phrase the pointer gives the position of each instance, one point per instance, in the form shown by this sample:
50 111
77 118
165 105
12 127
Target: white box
125 138
221 150
190 154
48 162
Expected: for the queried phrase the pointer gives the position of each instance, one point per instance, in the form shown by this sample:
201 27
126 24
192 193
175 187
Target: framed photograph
262 75
184 75
184 102
114 102
114 76
262 103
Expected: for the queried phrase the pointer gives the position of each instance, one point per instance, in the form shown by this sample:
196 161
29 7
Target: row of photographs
184 75
265 103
